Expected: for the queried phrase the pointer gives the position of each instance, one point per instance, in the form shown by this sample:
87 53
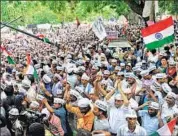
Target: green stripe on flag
35 74
46 40
155 134
10 60
160 43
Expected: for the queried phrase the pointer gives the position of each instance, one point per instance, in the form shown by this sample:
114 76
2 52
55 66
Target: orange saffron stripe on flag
28 59
157 27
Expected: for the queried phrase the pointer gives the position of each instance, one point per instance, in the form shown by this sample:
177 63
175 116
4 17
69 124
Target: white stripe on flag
166 32
164 131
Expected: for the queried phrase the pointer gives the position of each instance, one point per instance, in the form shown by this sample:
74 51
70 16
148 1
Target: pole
11 21
36 37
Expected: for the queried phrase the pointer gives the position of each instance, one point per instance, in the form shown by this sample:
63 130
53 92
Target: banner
98 29
111 35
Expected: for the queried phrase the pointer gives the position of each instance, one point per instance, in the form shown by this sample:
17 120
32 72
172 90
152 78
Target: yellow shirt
85 122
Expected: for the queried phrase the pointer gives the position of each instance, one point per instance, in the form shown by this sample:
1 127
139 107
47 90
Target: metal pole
11 21
28 34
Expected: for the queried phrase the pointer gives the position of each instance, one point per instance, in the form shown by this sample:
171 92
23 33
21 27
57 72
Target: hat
151 68
154 105
59 91
95 67
101 105
26 83
130 75
128 64
110 88
46 112
59 101
131 114
166 88
75 93
13 71
34 104
84 102
113 60
160 75
57 76
46 79
117 68
46 69
106 72
59 68
120 73
118 97
172 62
139 64
85 77
79 89
144 73
54 62
39 97
171 94
122 64
14 111
37 66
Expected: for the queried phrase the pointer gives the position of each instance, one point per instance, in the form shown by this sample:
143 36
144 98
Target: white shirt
117 117
168 111
124 131
133 104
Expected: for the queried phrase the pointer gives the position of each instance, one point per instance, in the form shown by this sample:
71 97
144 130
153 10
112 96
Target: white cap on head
14 111
154 105
46 79
171 94
46 69
160 75
101 105
106 72
59 68
79 89
144 73
122 64
57 76
166 88
131 114
118 97
117 68
46 112
85 77
172 62
151 68
26 83
59 101
75 93
84 102
110 88
120 73
34 104
37 66
113 60
54 62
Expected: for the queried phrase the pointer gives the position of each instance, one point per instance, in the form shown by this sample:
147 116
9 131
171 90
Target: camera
28 117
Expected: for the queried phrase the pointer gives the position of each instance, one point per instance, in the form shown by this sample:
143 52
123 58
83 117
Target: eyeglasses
132 118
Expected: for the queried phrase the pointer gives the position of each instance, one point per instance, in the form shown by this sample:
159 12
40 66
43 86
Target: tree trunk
137 8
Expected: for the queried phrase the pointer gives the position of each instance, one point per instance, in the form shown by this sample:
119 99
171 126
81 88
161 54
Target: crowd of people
82 89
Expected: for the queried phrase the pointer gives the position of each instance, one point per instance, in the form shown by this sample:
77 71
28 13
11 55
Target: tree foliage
37 12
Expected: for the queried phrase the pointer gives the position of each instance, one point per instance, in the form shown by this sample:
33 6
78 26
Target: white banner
99 29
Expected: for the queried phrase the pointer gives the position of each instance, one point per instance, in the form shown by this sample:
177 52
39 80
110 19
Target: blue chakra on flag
158 36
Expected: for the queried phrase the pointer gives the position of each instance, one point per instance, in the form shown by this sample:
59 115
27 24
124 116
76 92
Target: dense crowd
83 89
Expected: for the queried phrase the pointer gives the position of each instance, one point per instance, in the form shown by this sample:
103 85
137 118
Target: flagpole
27 34
11 21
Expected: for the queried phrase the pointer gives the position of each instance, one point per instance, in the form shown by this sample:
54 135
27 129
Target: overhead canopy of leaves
37 12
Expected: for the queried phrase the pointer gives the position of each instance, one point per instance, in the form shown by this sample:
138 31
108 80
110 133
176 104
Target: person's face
55 79
160 80
118 103
130 80
129 95
163 61
113 64
84 81
122 67
84 110
96 111
132 121
56 105
73 98
106 75
170 100
102 58
127 68
152 112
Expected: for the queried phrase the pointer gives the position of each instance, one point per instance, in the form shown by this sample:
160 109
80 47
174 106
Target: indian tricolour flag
7 54
158 34
166 130
30 70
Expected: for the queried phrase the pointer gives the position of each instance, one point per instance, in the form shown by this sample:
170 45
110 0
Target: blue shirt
150 124
61 113
48 87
